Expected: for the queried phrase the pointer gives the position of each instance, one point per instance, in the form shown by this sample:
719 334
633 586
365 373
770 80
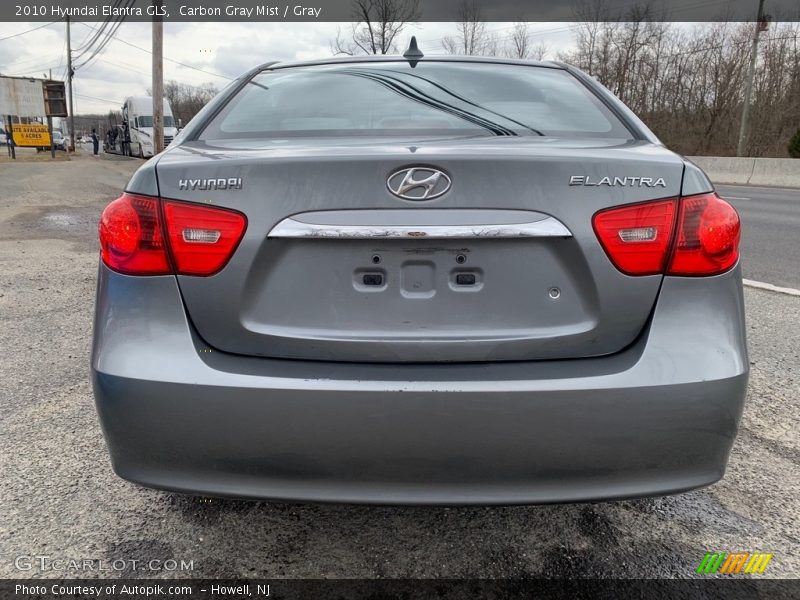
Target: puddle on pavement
74 224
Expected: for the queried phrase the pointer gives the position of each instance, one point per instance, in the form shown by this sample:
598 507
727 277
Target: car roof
378 58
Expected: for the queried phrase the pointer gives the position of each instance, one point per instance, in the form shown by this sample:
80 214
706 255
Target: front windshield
147 121
392 98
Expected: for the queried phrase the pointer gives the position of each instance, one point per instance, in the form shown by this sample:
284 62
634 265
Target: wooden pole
71 145
748 87
50 133
158 80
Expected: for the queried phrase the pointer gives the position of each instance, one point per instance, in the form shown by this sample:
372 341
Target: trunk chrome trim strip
548 227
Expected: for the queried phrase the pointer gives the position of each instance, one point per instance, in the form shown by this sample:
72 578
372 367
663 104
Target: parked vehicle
114 139
59 141
419 280
3 137
137 113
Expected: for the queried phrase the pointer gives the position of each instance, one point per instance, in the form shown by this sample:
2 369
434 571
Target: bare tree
589 14
375 27
472 37
519 44
186 100
539 51
687 85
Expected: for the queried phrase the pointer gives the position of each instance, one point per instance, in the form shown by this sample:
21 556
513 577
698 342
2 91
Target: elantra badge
618 181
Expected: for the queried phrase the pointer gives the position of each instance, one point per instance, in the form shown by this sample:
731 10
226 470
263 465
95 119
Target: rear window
437 98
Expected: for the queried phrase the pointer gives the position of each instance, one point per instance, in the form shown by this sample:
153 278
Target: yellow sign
31 135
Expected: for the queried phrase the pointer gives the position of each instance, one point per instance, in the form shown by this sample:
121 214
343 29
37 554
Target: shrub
794 145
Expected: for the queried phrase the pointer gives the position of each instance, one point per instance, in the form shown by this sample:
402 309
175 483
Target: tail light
142 235
694 235
708 237
202 238
637 237
131 237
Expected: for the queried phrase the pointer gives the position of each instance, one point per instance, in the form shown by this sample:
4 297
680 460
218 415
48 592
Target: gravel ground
59 497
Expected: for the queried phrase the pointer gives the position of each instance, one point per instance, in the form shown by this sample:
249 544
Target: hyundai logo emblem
418 183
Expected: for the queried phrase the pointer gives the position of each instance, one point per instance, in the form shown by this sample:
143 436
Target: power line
102 43
8 37
45 65
561 29
32 59
87 43
725 45
61 63
115 102
177 62
133 69
91 39
493 31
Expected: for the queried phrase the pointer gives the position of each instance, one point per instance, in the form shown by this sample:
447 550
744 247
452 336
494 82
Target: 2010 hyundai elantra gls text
419 280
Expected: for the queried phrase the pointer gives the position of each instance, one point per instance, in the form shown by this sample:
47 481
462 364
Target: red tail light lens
131 239
637 237
202 239
708 237
640 239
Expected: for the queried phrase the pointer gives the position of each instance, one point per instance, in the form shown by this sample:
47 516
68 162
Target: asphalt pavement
770 232
59 497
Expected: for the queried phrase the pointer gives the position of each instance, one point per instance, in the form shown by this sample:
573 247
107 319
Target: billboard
22 97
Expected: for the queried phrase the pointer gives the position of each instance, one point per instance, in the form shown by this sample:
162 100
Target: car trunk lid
503 266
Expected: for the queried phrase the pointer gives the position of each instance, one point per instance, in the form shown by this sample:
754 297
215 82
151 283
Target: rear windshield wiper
447 90
417 95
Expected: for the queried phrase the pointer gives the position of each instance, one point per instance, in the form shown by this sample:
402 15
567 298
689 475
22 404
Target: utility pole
748 89
158 79
69 78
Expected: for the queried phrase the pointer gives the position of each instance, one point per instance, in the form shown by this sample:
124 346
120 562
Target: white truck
137 113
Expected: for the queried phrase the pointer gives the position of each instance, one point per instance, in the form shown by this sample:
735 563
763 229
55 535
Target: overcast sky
218 50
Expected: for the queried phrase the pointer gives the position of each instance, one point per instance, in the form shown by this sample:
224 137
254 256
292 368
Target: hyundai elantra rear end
422 280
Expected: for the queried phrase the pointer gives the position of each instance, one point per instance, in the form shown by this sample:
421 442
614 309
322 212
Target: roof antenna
413 54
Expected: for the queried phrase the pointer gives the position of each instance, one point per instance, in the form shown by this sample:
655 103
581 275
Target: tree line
185 100
686 83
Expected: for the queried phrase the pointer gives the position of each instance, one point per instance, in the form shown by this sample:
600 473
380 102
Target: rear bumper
657 418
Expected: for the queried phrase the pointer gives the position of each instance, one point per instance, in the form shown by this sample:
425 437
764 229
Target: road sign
31 135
